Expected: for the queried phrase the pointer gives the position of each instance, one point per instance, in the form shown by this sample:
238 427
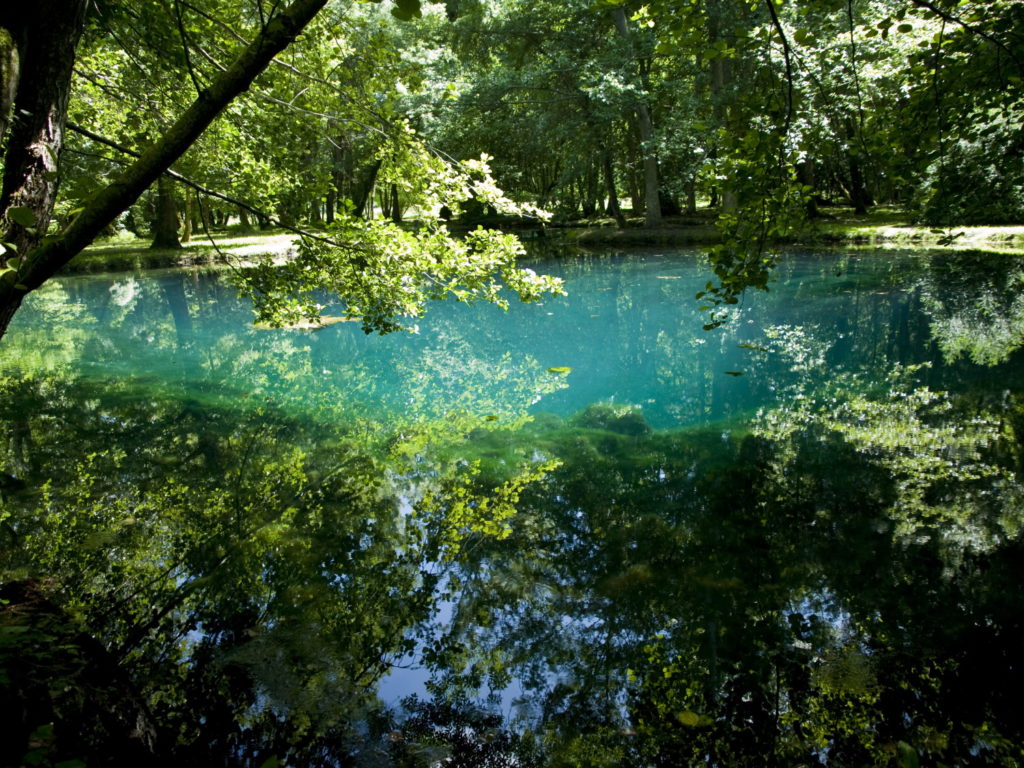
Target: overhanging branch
44 261
259 213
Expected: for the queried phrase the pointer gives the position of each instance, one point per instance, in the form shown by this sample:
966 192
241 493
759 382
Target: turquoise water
630 333
795 539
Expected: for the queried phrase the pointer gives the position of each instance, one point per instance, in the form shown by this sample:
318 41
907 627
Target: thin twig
949 18
184 46
789 64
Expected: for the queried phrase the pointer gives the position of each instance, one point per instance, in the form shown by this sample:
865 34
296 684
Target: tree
37 256
30 163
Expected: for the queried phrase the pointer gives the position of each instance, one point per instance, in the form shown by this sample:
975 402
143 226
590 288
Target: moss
622 420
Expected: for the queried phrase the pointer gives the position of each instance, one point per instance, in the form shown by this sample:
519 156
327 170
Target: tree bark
186 216
721 100
366 192
613 197
165 226
35 42
396 207
10 69
42 262
652 204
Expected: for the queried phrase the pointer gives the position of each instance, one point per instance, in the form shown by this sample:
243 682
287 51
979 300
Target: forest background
355 119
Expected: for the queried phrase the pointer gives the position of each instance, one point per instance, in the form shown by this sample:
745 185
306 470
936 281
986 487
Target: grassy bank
130 253
837 227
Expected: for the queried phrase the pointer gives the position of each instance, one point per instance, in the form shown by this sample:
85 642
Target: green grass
127 252
838 226
884 226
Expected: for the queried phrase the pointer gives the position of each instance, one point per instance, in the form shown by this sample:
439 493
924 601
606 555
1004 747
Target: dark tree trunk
37 41
396 208
859 195
53 28
721 97
366 191
613 198
186 216
329 206
165 225
10 69
691 197
652 212
204 214
805 174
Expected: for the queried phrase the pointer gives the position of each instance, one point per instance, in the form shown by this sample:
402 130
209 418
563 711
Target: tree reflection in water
199 573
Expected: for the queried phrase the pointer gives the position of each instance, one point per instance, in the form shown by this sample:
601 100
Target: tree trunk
204 214
36 41
396 208
859 195
54 29
165 226
10 68
329 206
186 218
652 204
721 98
805 174
613 197
366 192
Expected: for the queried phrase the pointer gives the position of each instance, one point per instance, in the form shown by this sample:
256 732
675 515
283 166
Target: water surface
792 539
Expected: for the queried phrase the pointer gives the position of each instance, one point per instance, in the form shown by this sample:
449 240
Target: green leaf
25 217
908 755
560 369
689 718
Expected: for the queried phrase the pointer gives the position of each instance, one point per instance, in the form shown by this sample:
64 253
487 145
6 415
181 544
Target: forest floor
127 252
837 227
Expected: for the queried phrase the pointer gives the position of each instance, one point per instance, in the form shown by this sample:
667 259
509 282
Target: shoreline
128 255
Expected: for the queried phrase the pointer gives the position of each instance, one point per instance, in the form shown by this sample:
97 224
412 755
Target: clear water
629 331
798 535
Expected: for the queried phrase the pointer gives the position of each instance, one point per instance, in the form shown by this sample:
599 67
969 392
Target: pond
582 532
